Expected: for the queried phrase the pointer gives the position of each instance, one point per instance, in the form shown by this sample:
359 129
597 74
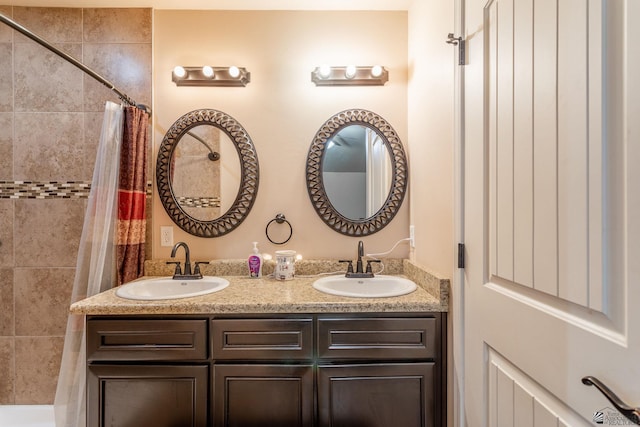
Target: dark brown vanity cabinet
379 371
376 395
158 396
352 370
147 372
263 373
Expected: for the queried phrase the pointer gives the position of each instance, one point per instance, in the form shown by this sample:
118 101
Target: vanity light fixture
207 71
350 71
210 76
179 71
234 71
324 71
350 75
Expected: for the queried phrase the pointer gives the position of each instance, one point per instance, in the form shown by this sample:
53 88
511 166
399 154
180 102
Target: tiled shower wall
50 120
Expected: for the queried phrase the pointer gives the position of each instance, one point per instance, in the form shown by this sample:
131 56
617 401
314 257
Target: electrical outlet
412 236
166 236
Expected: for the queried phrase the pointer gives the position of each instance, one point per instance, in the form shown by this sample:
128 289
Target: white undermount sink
160 288
370 287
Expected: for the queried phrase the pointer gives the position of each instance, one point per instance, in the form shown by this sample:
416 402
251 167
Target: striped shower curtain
132 194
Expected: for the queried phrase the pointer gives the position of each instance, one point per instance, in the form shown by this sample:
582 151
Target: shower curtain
95 267
111 248
132 196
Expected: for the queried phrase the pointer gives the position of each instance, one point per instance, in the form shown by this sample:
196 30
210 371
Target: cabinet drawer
262 339
377 338
147 339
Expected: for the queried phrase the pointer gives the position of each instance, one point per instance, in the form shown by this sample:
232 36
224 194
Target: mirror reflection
356 171
205 172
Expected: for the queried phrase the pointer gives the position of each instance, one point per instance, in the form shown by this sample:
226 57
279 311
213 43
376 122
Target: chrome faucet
187 275
360 272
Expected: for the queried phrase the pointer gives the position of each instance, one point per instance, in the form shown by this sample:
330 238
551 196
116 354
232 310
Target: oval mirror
207 173
356 172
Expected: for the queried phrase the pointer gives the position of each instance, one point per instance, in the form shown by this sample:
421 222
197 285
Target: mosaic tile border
48 189
199 202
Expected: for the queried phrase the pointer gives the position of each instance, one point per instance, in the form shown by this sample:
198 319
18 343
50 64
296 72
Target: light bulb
299 257
234 71
324 71
179 71
207 71
350 71
376 71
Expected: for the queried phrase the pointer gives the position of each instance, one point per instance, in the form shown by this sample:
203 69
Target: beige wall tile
50 137
38 291
6 233
7 370
48 146
37 362
45 82
6 146
56 24
6 309
6 77
117 25
6 33
47 232
127 66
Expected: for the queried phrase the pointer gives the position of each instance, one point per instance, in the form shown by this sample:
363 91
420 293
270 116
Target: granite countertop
245 295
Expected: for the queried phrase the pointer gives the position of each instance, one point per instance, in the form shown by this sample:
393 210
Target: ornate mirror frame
315 185
248 180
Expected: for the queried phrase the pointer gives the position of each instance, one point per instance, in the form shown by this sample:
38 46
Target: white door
551 211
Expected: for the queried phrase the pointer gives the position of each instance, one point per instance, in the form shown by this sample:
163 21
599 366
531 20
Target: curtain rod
123 96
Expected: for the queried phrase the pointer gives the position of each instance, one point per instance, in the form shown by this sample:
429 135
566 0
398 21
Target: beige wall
281 109
430 128
430 134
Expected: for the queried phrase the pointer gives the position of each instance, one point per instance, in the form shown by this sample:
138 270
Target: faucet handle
349 266
197 269
369 261
178 270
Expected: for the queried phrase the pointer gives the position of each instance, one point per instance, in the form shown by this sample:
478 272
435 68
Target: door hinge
460 255
457 41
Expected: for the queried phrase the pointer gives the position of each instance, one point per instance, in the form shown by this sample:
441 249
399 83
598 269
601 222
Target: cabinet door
263 395
158 396
376 395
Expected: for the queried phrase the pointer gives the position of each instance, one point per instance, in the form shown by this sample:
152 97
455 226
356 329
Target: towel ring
280 218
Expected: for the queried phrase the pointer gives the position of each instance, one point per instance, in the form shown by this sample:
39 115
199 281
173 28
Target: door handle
457 41
632 414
